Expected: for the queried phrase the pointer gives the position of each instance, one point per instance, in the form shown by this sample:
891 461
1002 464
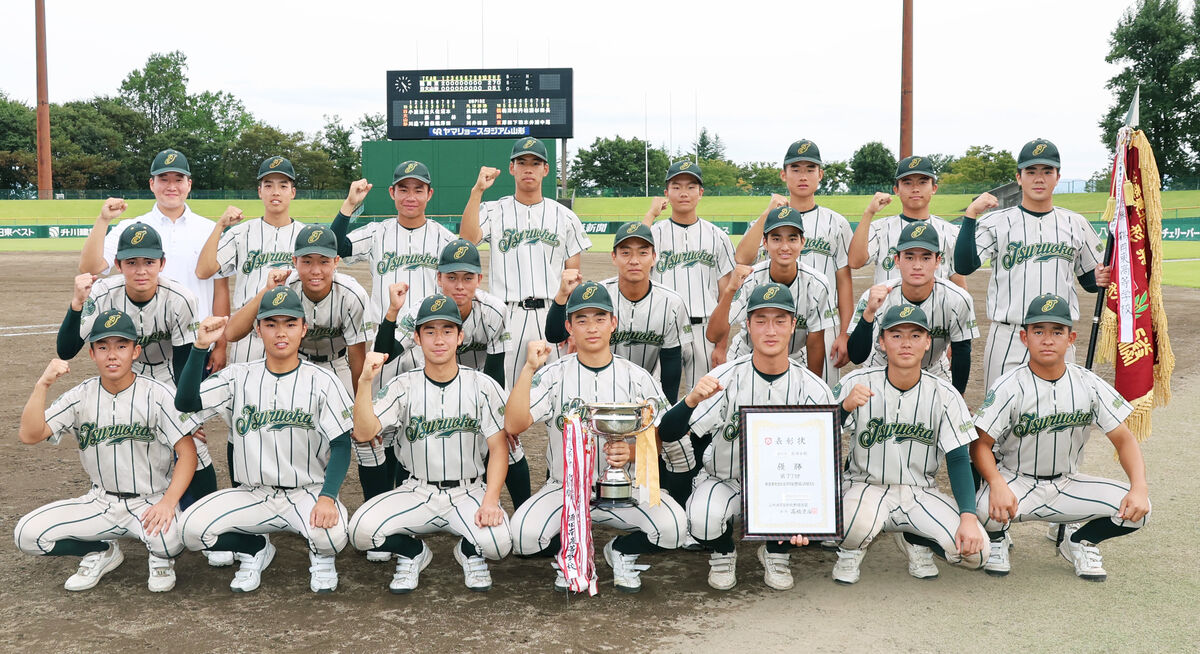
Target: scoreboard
479 103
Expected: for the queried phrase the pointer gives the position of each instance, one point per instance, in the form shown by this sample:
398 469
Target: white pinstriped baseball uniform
884 234
484 332
182 240
815 306
656 322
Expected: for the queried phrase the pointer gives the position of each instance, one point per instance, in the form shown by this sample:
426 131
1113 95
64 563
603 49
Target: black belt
123 496
326 359
284 488
531 303
451 483
698 321
1045 477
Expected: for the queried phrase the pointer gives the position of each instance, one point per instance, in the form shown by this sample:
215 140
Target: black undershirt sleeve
670 363
960 364
675 422
556 318
494 367
966 255
1088 281
341 227
385 340
859 346
187 390
69 342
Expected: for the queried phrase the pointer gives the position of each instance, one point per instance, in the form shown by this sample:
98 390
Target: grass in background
1181 273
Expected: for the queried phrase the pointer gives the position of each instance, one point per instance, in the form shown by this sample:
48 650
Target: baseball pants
1070 498
262 510
713 503
1005 351
868 509
95 516
418 508
539 520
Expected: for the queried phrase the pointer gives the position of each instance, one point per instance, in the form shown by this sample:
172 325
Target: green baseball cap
316 239
634 230
1039 151
280 301
1049 307
113 322
915 166
139 240
904 314
685 167
772 295
412 170
529 146
170 161
276 165
803 150
459 255
438 307
589 295
783 217
919 234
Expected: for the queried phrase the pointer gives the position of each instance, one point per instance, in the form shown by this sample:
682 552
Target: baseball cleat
722 570
249 574
94 566
997 564
777 569
691 544
560 580
1068 528
218 559
377 556
323 574
920 558
408 571
162 574
475 571
1086 558
626 572
845 571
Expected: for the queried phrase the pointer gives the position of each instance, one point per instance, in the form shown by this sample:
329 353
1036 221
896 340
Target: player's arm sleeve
841 254
69 341
675 422
385 340
183 331
670 362
966 252
491 404
556 318
485 219
725 260
187 389
840 391
179 357
960 364
60 416
962 483
579 241
227 253
1109 407
1088 281
822 314
341 227
339 463
859 345
1090 250
493 367
543 394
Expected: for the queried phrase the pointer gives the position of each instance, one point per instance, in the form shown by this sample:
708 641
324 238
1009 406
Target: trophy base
611 496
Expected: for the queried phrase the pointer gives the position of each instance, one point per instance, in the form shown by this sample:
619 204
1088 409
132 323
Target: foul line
53 331
25 326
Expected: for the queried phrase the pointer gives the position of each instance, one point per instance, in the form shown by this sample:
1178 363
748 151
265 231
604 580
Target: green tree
1157 47
836 179
872 167
337 141
982 165
256 143
720 175
159 90
617 163
941 163
708 147
372 127
761 177
18 125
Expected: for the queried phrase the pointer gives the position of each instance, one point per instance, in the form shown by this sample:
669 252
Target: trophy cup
615 421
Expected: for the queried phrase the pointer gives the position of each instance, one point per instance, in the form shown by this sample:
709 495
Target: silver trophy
615 421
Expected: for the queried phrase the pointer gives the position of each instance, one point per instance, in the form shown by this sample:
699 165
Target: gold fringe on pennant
1139 420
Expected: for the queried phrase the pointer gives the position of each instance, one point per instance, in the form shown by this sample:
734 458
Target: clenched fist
777 201
277 277
657 206
857 397
487 177
571 278
112 209
355 196
210 331
707 387
83 288
396 295
875 298
878 202
231 217
982 204
54 371
536 354
371 367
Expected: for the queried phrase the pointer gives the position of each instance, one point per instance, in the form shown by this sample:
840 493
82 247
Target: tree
708 147
617 163
337 141
836 177
18 125
761 177
941 163
1158 47
872 166
982 165
159 91
373 127
719 174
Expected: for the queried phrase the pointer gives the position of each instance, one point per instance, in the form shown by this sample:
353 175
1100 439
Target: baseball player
1035 248
765 376
290 421
875 242
563 387
248 250
486 341
532 239
949 308
182 231
1032 427
826 244
695 259
450 416
129 435
784 241
899 417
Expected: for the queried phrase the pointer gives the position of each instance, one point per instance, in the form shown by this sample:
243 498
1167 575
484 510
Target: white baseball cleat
1086 557
1068 529
777 568
626 571
845 571
249 574
94 566
920 558
323 573
475 571
377 556
997 564
218 559
560 580
162 574
722 570
408 571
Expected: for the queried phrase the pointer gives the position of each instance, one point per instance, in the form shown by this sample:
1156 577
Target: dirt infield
1146 605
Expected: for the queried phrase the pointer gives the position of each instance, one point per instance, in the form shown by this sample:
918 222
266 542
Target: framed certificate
791 472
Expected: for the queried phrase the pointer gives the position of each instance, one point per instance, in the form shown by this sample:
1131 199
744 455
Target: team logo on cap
279 298
275 162
685 165
529 143
917 231
803 147
112 320
411 167
170 159
1039 148
783 213
316 234
906 312
771 292
461 252
914 163
437 304
591 290
137 237
1049 305
632 228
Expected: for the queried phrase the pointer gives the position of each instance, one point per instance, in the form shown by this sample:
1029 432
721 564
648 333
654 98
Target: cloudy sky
759 74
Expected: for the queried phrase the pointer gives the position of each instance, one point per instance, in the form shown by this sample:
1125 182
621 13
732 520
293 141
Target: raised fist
875 298
571 278
277 277
371 367
857 397
231 217
982 204
707 387
54 371
537 353
83 288
210 331
112 209
878 202
358 192
777 201
396 295
487 177
658 205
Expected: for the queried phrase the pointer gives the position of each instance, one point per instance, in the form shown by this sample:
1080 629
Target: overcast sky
759 74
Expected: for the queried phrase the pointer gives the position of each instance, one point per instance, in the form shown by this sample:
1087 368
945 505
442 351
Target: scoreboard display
479 103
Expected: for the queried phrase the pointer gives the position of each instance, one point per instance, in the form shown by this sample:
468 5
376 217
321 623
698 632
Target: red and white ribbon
1122 255
577 558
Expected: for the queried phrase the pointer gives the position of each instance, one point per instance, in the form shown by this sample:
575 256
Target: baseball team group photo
463 396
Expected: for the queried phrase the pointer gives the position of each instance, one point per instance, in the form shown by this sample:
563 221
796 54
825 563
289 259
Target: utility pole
906 83
45 175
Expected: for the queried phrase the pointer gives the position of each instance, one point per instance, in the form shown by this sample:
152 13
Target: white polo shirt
182 240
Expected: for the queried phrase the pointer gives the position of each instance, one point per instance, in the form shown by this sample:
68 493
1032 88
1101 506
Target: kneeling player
129 435
712 409
290 422
1032 428
447 416
899 417
551 395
